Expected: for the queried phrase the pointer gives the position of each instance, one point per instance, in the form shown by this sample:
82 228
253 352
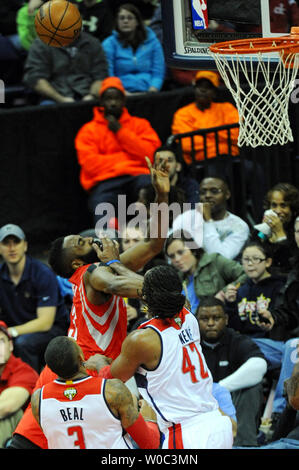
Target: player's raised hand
159 175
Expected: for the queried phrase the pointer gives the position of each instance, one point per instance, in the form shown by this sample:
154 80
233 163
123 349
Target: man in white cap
30 301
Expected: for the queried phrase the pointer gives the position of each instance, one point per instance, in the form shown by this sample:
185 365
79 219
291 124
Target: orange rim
286 43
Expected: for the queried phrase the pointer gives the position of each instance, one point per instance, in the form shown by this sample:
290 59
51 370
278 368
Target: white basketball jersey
74 415
181 386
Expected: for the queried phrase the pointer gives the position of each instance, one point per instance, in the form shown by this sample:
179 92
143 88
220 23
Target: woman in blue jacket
134 53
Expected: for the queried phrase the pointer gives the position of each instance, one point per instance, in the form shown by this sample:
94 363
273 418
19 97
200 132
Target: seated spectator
111 150
205 113
66 74
30 300
134 53
259 292
97 17
178 175
204 274
184 190
177 199
17 381
284 315
223 232
283 199
237 364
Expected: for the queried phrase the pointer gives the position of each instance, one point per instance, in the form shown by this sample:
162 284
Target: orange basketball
58 23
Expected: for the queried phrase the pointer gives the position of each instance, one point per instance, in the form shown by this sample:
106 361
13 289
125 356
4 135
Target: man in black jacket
236 363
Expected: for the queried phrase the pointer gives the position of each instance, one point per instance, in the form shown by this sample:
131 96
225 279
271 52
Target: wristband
112 261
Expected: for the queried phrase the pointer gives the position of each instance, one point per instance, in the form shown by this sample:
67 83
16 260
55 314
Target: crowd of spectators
240 284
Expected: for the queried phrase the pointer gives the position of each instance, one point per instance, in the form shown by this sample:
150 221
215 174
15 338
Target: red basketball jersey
98 329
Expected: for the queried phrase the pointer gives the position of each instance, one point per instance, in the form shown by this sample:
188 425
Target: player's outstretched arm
120 401
141 347
137 256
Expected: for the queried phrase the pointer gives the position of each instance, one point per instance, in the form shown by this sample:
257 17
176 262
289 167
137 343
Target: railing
249 175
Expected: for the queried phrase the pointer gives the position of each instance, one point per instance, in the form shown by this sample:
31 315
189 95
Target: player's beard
90 257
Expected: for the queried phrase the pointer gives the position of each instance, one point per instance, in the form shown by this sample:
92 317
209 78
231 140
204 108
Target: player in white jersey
77 411
171 372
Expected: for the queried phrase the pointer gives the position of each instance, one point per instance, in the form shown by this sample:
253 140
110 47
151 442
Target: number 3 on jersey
189 367
79 436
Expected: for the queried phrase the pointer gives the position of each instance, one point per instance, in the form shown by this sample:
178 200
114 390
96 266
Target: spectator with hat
206 113
17 381
111 150
30 301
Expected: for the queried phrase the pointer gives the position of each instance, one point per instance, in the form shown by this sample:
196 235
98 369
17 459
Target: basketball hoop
268 67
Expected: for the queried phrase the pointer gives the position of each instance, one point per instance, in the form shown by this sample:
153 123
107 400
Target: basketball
58 23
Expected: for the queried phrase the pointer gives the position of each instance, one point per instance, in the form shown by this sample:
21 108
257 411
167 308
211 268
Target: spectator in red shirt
17 380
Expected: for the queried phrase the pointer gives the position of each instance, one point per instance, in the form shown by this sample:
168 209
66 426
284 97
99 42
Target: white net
261 89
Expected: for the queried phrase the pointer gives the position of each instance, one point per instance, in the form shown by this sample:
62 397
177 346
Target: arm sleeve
248 375
145 434
224 400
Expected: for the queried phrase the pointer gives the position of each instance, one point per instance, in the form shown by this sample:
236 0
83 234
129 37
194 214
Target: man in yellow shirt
205 113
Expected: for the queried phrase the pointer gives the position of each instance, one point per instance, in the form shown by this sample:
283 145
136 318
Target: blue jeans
31 347
283 355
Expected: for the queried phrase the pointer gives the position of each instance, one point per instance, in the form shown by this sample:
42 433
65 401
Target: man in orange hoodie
205 113
111 150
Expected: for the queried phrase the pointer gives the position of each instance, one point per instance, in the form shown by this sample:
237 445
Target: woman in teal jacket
134 53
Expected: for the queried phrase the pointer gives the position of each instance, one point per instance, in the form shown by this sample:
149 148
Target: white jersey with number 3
75 415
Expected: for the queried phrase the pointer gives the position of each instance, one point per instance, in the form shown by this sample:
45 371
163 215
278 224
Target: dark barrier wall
39 173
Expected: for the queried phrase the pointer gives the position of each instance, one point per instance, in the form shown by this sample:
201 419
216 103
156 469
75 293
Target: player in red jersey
98 318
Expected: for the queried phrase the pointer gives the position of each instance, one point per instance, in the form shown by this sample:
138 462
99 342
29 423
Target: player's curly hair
162 291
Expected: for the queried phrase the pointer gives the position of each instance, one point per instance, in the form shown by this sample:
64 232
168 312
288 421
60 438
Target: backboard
191 26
